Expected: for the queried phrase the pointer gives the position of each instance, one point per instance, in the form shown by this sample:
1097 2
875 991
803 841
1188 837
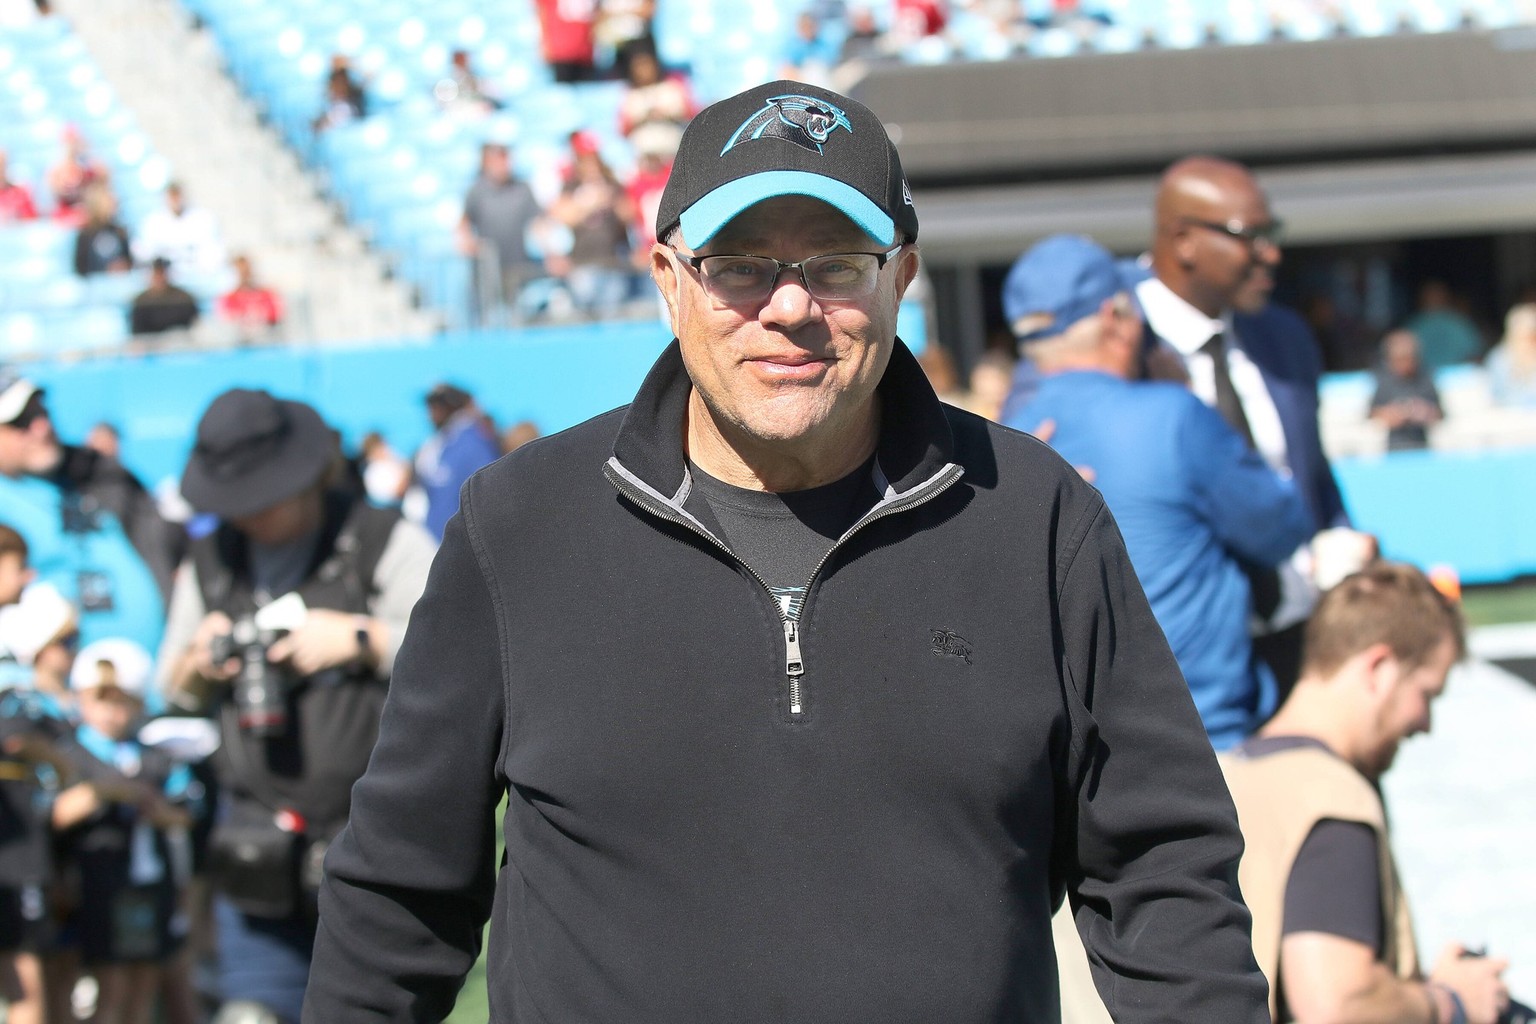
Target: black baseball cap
780 139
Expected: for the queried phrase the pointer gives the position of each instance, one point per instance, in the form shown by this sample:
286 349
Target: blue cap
1057 282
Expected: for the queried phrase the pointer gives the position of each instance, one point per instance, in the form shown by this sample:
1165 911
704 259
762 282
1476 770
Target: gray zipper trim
671 509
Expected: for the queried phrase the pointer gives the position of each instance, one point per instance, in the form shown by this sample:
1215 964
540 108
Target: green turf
471 1007
1500 605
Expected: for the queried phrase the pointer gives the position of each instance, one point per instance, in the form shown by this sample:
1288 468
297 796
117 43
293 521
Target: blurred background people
597 210
101 245
567 30
16 202
163 306
1447 336
254 309
187 236
462 441
68 179
655 107
499 210
1512 363
1405 401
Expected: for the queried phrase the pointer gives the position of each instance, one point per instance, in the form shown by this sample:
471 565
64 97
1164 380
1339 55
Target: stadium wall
1469 510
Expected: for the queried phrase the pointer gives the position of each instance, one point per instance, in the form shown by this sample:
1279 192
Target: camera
260 688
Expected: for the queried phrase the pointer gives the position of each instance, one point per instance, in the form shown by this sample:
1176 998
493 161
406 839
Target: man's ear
1379 667
906 270
664 274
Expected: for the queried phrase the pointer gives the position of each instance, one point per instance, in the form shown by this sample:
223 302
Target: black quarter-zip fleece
989 718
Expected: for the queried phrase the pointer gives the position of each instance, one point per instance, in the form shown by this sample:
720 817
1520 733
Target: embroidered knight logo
948 642
806 122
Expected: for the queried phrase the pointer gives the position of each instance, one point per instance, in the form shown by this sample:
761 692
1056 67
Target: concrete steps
170 74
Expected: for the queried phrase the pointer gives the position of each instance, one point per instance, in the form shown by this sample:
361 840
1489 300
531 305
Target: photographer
1331 928
297 700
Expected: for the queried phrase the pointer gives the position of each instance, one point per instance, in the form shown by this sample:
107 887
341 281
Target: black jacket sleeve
1153 884
409 883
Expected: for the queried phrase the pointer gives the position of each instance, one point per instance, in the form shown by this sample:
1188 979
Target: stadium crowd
185 702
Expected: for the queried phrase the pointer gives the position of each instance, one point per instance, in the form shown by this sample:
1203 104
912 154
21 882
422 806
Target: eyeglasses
747 280
1258 234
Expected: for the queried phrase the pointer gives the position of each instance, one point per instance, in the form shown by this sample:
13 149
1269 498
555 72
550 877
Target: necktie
1227 402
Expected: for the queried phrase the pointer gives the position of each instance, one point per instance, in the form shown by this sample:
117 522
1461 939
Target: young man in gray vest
1330 922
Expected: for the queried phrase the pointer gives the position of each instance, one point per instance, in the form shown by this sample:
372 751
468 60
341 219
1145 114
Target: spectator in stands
1512 363
1214 252
462 442
569 42
863 40
498 211
810 54
101 245
1447 336
625 27
644 188
655 107
162 306
461 93
345 101
1331 929
16 201
70 178
914 20
1406 401
597 210
253 308
187 236
92 529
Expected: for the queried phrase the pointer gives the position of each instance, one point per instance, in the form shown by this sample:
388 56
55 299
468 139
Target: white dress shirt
1186 330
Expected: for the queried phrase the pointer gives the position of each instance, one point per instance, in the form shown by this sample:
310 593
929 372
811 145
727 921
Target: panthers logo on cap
806 122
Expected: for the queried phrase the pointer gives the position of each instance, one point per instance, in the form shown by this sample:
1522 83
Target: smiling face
784 391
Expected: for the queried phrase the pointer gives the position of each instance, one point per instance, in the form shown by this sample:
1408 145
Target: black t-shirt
1335 883
782 537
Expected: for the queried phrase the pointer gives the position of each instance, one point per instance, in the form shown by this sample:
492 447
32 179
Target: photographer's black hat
254 450
786 138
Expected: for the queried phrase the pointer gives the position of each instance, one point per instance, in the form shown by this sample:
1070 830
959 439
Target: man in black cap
284 625
809 697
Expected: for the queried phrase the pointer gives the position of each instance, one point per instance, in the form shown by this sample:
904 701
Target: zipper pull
794 665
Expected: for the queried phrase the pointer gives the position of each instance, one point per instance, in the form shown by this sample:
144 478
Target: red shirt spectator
918 18
567 27
250 305
644 189
15 199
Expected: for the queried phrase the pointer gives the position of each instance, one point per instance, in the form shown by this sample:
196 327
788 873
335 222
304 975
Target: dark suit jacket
1282 346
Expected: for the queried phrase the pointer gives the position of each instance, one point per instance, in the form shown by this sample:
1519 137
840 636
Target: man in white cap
92 529
809 698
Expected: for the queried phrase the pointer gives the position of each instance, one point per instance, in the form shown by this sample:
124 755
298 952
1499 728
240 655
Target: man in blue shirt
1190 496
462 444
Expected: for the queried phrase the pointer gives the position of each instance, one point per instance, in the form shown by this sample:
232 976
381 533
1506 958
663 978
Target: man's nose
790 303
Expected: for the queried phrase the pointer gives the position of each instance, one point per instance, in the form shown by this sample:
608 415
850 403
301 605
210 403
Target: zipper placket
794 661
